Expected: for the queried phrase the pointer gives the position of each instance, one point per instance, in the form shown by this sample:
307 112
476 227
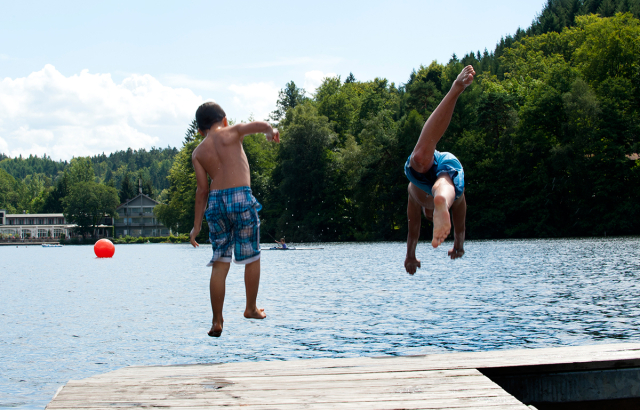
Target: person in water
436 186
229 206
281 243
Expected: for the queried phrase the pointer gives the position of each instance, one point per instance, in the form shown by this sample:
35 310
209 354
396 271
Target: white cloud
313 79
86 114
257 98
4 147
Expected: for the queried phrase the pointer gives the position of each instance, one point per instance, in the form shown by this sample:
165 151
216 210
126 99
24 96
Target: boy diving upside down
231 209
437 181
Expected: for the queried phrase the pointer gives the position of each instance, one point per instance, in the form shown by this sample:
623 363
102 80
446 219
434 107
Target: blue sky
78 78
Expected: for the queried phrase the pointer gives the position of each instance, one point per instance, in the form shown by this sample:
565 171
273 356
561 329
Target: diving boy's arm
202 193
459 216
256 127
414 219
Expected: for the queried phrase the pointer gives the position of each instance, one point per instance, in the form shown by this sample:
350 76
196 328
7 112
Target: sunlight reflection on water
67 315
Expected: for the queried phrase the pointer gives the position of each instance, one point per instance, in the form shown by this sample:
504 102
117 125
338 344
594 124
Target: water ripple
67 315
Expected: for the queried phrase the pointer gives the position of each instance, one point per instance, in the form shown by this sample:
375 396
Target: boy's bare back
222 157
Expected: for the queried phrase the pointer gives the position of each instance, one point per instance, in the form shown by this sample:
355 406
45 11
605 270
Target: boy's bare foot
255 314
456 253
441 221
216 329
465 78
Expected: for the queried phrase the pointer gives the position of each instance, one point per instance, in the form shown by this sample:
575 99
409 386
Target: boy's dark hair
208 114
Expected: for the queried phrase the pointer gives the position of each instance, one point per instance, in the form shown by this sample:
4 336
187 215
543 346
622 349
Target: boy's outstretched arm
411 264
202 193
458 215
256 127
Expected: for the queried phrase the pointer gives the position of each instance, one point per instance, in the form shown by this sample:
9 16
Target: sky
83 78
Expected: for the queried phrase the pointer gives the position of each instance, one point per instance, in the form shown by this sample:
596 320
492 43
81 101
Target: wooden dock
434 381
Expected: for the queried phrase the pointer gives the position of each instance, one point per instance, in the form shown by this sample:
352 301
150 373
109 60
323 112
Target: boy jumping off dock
231 209
437 181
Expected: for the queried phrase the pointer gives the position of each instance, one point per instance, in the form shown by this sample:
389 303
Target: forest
37 184
547 135
85 188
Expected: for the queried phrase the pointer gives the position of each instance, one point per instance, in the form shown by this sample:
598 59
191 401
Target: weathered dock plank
436 381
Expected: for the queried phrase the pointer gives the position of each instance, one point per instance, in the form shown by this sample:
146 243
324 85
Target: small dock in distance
584 377
36 243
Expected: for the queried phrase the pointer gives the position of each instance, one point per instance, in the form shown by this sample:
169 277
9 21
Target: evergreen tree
53 201
191 132
127 189
350 79
289 97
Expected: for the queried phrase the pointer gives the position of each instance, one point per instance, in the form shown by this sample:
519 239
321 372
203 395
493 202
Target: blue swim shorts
442 162
234 225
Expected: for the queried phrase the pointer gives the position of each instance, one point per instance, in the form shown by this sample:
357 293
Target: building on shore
34 225
136 218
42 226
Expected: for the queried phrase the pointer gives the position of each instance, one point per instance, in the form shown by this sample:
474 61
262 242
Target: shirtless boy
231 209
437 181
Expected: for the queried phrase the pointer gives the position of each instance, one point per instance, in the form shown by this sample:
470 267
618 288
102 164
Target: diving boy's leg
411 263
444 195
438 122
458 214
217 290
251 284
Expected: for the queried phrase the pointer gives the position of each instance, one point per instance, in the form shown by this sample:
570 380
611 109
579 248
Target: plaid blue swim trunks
234 225
443 162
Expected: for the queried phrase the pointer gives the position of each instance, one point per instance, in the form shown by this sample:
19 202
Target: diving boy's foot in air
441 221
465 78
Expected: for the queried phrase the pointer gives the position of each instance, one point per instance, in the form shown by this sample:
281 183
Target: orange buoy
104 248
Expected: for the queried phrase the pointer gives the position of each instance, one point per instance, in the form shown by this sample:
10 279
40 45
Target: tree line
76 194
35 184
85 187
547 134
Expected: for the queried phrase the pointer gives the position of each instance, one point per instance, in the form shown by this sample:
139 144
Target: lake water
65 314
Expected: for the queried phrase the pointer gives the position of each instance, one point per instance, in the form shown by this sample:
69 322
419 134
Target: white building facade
34 225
